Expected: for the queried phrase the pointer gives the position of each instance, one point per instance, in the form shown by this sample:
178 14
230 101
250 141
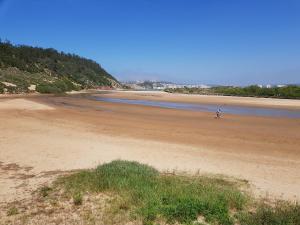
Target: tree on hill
48 67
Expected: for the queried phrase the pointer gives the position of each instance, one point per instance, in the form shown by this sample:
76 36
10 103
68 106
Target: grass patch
283 213
44 191
151 196
77 198
123 192
12 211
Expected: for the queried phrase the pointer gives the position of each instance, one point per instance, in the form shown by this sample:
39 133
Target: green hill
26 69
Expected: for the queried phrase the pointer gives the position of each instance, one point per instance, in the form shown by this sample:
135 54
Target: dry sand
42 136
22 104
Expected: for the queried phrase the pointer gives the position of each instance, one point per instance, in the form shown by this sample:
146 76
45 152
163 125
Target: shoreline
177 97
207 99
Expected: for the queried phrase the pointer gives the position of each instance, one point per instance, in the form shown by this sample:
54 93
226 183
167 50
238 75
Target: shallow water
227 109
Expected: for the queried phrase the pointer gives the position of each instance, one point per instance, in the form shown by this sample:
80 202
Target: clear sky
204 41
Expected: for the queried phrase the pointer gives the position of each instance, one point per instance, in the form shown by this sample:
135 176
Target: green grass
44 191
152 196
12 211
77 198
283 213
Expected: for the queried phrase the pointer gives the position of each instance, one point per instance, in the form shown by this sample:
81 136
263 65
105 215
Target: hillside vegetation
290 91
24 69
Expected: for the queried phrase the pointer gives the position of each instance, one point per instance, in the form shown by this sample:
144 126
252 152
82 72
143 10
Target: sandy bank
22 104
36 145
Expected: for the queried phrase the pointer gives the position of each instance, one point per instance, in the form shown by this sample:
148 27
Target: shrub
44 191
12 211
77 198
47 89
2 86
58 86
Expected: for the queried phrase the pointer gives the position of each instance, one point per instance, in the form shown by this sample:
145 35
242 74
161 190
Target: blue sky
200 41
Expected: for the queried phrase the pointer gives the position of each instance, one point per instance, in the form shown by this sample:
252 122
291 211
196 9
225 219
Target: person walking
218 113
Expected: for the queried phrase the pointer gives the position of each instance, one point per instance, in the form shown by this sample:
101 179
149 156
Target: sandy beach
43 136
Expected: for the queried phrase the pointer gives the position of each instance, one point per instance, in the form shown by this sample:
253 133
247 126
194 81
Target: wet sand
207 99
71 132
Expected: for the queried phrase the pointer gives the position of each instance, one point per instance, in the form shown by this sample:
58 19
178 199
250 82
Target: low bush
47 89
77 198
59 86
2 86
44 191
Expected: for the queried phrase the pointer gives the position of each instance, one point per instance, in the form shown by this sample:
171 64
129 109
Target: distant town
162 85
